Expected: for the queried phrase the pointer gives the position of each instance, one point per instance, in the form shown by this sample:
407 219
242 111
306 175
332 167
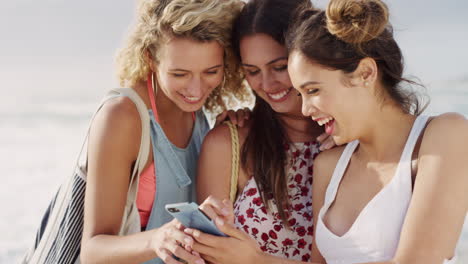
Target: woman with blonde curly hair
178 59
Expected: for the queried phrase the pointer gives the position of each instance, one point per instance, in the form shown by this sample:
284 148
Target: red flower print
298 207
277 228
257 201
264 248
273 234
307 154
241 219
310 231
254 231
246 229
304 191
296 153
301 231
310 170
306 257
264 210
301 243
287 242
296 252
307 216
264 237
251 191
292 222
298 178
303 163
250 212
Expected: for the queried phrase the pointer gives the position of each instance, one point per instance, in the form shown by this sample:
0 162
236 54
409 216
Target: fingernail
196 233
219 221
188 241
200 261
225 211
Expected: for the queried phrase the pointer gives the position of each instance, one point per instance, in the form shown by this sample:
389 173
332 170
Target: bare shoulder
219 138
117 124
445 146
446 131
446 124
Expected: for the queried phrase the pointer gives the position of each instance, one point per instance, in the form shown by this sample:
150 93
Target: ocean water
40 136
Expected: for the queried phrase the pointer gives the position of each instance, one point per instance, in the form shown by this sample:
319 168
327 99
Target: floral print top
267 227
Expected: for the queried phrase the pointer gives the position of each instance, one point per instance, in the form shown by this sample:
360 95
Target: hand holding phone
192 217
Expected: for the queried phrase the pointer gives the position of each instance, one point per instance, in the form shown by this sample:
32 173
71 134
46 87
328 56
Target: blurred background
57 61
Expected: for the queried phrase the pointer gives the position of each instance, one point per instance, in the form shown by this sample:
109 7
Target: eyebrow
211 68
309 83
270 62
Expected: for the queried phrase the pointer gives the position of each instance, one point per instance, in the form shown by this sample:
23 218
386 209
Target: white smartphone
192 217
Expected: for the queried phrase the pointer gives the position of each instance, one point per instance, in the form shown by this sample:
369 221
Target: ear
150 60
366 73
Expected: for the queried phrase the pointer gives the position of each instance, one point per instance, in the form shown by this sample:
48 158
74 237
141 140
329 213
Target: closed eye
179 75
312 91
281 68
252 73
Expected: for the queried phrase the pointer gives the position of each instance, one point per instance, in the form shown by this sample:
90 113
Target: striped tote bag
58 239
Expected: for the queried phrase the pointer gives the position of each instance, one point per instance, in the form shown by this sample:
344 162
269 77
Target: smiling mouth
191 99
279 96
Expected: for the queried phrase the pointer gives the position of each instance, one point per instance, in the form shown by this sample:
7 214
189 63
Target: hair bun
356 21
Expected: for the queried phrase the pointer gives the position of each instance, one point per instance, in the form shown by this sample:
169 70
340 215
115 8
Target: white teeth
322 122
280 95
192 99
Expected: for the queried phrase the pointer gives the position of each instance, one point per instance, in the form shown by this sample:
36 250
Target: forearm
135 248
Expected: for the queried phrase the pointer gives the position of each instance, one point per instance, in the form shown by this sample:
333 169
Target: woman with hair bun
396 193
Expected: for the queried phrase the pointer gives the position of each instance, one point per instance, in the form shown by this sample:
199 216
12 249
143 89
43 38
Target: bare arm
440 201
113 147
214 165
114 143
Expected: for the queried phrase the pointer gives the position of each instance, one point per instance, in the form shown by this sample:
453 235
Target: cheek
283 78
214 81
253 81
171 84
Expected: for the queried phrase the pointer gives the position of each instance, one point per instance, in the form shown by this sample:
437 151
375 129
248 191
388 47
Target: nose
195 87
268 82
307 108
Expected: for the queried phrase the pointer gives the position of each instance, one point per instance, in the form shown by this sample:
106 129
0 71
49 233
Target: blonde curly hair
200 20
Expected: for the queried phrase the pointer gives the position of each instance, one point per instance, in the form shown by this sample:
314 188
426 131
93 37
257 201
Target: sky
69 46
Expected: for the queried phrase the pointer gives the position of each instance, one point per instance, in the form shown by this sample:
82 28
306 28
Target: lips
329 123
330 127
279 96
191 99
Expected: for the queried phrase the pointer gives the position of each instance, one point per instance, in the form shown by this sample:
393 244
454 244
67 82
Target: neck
386 135
299 128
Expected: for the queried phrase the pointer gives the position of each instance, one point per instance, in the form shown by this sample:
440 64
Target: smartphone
192 217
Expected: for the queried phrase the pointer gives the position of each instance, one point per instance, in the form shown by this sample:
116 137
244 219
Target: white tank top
375 234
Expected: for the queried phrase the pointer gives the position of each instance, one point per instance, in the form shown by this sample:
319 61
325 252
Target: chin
186 107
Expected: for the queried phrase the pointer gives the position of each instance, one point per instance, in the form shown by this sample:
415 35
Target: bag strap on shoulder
234 160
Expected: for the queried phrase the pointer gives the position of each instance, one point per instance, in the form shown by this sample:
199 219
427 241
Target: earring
224 81
366 83
155 87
